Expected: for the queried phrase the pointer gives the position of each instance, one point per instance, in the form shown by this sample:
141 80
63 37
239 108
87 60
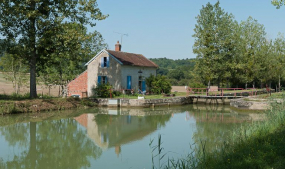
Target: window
102 79
105 62
142 86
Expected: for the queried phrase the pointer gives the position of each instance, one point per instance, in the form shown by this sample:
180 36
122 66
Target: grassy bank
14 105
257 145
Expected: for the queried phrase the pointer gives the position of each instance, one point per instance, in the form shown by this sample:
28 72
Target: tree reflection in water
52 144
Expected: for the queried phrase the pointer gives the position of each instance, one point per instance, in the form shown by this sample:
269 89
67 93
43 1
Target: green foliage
69 53
278 3
159 84
162 71
214 43
14 70
176 70
14 96
183 82
117 93
235 53
197 85
102 91
254 145
36 25
176 74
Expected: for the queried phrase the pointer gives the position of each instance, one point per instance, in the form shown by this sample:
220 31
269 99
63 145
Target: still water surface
104 138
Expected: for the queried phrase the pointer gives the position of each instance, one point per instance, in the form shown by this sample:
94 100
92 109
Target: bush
116 93
102 90
196 85
159 84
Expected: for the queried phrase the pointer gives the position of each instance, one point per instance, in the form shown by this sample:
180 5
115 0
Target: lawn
160 96
273 95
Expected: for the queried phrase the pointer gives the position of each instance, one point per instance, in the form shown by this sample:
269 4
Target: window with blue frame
102 79
105 61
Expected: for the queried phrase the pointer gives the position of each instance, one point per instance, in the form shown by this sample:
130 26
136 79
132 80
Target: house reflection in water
109 131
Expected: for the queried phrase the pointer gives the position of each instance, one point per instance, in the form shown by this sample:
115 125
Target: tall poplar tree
214 43
26 22
252 40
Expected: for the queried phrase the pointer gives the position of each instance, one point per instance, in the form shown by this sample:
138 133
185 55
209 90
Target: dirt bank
40 105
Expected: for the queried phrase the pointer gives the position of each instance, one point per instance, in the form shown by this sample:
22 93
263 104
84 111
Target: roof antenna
122 34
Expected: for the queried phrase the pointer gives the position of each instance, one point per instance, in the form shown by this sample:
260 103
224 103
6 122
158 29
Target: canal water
113 138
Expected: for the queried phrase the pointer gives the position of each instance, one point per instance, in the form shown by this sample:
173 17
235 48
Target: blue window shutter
129 82
99 80
102 61
108 61
106 79
143 86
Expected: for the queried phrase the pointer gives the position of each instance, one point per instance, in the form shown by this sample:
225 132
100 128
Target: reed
256 145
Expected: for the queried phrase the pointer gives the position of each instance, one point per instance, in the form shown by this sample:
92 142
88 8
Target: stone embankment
253 103
144 102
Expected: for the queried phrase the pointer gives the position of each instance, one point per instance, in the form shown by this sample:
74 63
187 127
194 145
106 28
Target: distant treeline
180 72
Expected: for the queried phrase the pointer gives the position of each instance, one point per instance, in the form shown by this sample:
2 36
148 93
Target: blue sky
164 28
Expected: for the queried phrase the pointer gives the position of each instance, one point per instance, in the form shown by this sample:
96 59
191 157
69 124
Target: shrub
117 93
196 85
102 90
159 84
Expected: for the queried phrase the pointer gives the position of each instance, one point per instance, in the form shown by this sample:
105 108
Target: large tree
279 58
214 43
252 40
27 22
71 48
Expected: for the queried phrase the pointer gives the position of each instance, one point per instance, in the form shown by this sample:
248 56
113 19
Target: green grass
273 95
257 145
26 96
225 92
177 94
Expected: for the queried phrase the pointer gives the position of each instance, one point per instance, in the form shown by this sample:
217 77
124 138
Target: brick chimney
118 46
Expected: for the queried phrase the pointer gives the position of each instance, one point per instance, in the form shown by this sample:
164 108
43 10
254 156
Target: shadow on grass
18 97
14 97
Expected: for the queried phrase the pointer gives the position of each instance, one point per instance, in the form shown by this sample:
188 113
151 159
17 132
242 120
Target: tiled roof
132 59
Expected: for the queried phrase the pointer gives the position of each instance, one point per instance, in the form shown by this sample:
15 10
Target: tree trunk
33 57
245 85
227 82
209 83
33 144
279 84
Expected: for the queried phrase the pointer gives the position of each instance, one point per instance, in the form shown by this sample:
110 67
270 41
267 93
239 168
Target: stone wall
252 104
113 72
133 72
147 102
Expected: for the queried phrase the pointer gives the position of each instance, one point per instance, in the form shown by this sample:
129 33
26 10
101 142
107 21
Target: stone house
124 71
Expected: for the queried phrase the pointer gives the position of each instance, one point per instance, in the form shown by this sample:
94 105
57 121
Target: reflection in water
115 130
49 144
109 138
